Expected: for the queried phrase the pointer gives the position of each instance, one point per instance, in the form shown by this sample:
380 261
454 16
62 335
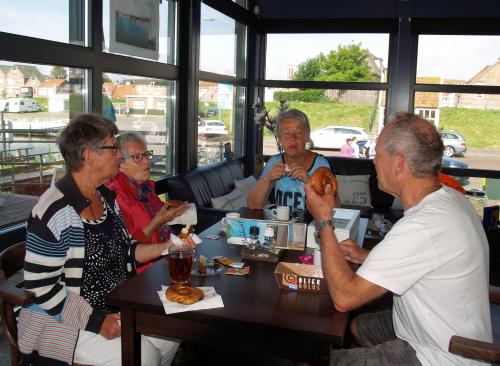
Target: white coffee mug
281 213
230 216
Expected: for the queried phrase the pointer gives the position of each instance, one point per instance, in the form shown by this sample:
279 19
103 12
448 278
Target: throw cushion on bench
232 201
354 190
246 185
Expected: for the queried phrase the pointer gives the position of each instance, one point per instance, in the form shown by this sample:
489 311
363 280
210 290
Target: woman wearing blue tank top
288 172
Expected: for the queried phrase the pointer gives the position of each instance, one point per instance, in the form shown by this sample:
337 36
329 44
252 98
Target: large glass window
48 19
222 44
458 60
147 106
220 121
327 57
474 125
145 29
469 122
334 115
36 102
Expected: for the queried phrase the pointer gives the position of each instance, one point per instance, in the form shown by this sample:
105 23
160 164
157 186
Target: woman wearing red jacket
144 213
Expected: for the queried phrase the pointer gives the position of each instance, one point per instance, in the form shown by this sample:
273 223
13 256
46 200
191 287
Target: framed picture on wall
134 28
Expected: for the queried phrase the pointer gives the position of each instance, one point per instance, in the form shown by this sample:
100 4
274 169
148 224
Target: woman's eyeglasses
137 158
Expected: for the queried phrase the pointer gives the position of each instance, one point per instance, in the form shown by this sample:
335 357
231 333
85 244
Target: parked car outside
454 143
453 163
212 127
212 112
334 137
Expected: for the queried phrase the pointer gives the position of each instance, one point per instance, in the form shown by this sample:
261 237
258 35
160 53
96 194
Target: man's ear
399 163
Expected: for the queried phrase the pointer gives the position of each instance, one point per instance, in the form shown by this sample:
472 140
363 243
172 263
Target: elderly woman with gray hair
144 213
77 251
288 172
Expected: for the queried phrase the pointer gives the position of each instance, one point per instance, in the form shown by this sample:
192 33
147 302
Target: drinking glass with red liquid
180 262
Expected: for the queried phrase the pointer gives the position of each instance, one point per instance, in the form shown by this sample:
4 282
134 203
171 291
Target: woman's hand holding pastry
276 172
297 171
189 242
169 212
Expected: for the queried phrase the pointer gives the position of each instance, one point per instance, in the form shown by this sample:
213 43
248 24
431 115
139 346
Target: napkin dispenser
346 222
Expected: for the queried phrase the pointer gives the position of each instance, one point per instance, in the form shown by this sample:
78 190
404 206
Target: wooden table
257 316
16 208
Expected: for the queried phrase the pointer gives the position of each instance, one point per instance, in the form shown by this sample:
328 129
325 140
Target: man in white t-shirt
434 260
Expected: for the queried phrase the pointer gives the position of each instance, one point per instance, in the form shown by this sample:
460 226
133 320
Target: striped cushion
232 201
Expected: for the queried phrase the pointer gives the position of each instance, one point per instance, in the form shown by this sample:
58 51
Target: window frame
443 26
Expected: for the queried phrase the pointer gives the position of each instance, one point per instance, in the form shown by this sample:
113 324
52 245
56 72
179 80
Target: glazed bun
186 231
185 295
320 178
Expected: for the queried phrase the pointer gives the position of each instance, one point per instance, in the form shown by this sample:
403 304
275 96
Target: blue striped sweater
53 271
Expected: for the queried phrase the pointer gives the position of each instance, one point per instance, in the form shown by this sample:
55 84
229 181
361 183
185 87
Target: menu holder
252 233
272 255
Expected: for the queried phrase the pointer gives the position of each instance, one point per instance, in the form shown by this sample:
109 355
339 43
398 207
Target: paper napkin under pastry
189 217
210 301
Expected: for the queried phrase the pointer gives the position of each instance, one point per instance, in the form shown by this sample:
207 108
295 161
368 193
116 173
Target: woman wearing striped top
78 250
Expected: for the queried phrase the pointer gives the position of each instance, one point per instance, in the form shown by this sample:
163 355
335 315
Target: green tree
347 63
58 72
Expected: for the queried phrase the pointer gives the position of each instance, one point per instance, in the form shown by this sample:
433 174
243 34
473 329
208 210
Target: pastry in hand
186 230
320 178
173 204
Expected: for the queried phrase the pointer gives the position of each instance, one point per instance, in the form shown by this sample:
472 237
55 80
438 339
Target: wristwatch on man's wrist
321 225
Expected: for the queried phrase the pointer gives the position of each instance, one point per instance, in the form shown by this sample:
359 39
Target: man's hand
320 207
111 328
352 251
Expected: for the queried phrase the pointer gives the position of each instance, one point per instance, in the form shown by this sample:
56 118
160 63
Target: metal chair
12 294
483 351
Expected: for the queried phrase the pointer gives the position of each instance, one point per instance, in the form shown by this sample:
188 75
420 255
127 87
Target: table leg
131 340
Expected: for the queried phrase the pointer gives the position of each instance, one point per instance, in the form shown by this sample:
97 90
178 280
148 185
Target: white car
212 127
334 137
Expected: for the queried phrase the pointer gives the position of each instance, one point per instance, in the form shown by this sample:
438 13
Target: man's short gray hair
293 114
417 140
123 138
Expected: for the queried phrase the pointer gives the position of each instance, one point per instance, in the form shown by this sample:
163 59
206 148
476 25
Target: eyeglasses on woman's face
137 158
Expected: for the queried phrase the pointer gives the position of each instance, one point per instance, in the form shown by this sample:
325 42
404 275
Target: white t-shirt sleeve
401 259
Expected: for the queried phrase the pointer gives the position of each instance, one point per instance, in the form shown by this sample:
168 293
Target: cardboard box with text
300 277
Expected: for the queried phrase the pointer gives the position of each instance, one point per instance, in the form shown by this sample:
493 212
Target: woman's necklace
96 198
92 211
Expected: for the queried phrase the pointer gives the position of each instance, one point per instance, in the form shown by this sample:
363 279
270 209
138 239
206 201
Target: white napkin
189 217
210 301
